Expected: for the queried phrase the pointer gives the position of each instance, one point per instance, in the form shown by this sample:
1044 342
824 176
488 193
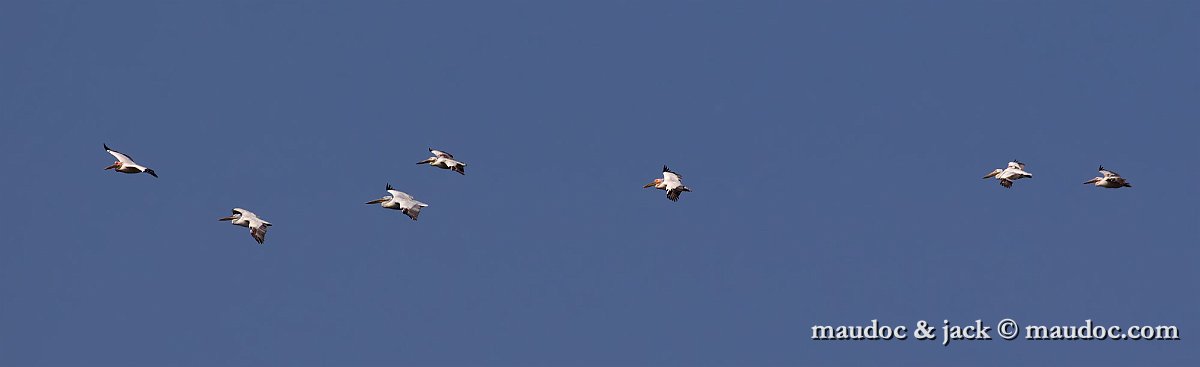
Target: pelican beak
377 201
651 184
425 161
114 165
231 217
1092 181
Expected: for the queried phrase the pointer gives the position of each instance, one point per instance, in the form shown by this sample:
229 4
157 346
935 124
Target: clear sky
835 150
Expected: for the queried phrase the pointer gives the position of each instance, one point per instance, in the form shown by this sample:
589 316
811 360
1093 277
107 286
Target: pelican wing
1108 173
1014 173
413 211
124 158
397 195
669 176
438 153
673 195
409 206
456 166
400 196
245 214
1016 165
258 230
407 201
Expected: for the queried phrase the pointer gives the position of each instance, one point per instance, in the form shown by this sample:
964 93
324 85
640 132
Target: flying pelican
244 218
1015 171
1110 179
444 160
124 163
400 201
670 183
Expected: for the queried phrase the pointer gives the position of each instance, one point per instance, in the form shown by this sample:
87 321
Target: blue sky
835 150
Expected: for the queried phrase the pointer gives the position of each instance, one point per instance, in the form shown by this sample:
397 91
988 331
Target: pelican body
125 164
671 183
1109 180
444 160
1014 171
400 201
245 218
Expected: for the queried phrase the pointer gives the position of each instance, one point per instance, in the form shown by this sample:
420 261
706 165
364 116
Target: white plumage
245 218
1014 171
1109 179
671 182
125 164
400 201
444 160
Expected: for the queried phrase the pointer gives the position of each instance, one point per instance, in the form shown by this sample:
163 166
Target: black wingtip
389 186
106 146
665 169
151 172
1100 169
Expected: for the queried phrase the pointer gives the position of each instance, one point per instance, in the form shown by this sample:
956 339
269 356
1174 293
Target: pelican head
994 173
427 160
116 164
1093 180
231 217
380 200
654 183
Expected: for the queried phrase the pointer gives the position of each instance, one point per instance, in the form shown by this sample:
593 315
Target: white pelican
444 160
124 163
1015 171
244 218
1110 180
400 201
670 183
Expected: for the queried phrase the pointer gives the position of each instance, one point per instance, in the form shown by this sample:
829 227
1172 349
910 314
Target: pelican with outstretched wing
1108 179
245 218
444 160
400 201
1014 171
671 183
125 164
